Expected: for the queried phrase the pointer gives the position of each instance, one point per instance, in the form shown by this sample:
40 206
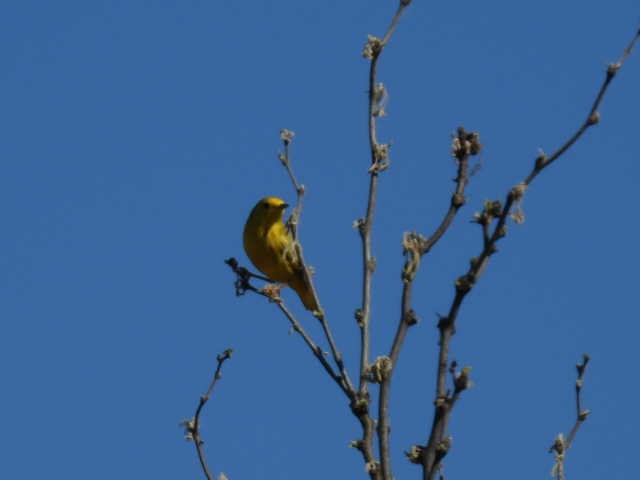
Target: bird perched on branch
272 250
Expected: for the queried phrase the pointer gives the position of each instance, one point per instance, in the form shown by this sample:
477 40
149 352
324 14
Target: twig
192 426
358 407
494 214
561 445
243 285
581 415
415 247
287 137
243 277
379 162
317 351
592 118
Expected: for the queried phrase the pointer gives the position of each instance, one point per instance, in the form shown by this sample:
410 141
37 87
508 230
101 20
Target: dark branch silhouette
562 444
493 220
192 426
415 246
451 381
379 162
243 285
292 223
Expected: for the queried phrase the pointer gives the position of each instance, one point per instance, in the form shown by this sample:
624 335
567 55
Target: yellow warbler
270 248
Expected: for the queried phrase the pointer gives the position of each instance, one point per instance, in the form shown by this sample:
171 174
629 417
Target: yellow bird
270 248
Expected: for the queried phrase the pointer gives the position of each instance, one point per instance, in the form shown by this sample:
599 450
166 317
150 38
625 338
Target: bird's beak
284 205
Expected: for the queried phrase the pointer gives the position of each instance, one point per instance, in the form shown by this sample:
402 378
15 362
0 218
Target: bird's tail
301 285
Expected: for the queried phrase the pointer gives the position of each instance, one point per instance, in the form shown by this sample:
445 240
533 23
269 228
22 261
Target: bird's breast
265 248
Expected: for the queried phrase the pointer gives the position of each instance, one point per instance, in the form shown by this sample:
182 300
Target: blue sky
138 135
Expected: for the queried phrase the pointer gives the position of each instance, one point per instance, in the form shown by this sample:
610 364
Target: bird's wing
300 280
290 254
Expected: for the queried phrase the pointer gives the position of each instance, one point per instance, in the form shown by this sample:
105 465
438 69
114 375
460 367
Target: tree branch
379 161
192 426
243 285
292 223
358 407
317 351
287 137
561 445
495 215
415 247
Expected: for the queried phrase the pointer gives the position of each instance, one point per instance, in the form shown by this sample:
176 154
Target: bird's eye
265 205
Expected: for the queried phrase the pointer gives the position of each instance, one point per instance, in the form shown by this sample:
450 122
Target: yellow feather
270 248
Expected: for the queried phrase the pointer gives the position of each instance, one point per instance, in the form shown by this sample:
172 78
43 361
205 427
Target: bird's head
268 210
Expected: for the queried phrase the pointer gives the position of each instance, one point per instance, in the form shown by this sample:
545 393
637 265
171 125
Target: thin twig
496 215
337 356
561 445
244 285
287 137
357 405
415 247
365 446
317 351
581 415
592 118
243 277
192 426
379 162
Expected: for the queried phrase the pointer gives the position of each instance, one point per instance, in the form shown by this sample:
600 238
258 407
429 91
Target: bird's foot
272 291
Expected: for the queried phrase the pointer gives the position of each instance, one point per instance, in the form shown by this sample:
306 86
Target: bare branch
192 426
315 349
287 137
560 444
243 285
243 276
496 215
379 162
358 407
592 118
415 247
